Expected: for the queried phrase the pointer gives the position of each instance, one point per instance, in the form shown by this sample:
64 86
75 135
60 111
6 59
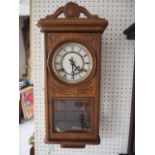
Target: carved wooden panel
86 90
89 88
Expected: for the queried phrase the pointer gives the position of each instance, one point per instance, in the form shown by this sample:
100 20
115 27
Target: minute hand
72 62
76 67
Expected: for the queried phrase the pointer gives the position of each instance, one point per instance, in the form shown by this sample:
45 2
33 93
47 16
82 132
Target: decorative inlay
51 40
72 91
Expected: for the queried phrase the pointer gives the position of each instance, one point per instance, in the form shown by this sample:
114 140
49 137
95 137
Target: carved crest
71 10
72 21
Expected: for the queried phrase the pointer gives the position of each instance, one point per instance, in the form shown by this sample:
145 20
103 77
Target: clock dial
72 63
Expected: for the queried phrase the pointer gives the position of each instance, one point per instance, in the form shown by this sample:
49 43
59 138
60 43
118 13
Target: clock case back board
87 32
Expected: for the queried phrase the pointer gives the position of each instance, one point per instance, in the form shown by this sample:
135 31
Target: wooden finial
72 10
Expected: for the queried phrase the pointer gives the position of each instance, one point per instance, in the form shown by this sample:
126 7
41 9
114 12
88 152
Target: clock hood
72 21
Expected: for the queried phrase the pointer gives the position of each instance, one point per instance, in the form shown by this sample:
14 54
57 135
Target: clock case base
73 143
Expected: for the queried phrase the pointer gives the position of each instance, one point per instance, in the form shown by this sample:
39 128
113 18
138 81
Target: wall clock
72 75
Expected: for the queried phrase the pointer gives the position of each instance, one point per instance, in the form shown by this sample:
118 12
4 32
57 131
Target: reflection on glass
72 115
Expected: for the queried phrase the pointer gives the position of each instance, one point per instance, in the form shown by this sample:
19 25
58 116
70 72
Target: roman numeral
64 49
64 76
72 47
87 63
72 77
84 70
61 70
85 55
79 75
57 63
58 55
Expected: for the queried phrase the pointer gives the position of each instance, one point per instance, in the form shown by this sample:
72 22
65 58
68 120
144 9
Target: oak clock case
72 76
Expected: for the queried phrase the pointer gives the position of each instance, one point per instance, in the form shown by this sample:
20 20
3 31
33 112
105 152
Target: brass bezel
90 67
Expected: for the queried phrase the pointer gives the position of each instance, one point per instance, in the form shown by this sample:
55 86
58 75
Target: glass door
72 115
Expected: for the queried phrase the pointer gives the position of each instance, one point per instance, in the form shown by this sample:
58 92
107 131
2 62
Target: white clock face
72 63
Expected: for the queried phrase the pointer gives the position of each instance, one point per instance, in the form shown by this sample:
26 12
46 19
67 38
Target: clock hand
72 62
72 71
76 67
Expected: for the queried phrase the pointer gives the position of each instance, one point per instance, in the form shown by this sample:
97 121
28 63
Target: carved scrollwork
72 91
71 10
51 40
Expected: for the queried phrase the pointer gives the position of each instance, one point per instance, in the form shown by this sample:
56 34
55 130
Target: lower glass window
72 115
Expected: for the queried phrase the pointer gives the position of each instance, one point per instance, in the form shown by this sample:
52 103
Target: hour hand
71 61
73 64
